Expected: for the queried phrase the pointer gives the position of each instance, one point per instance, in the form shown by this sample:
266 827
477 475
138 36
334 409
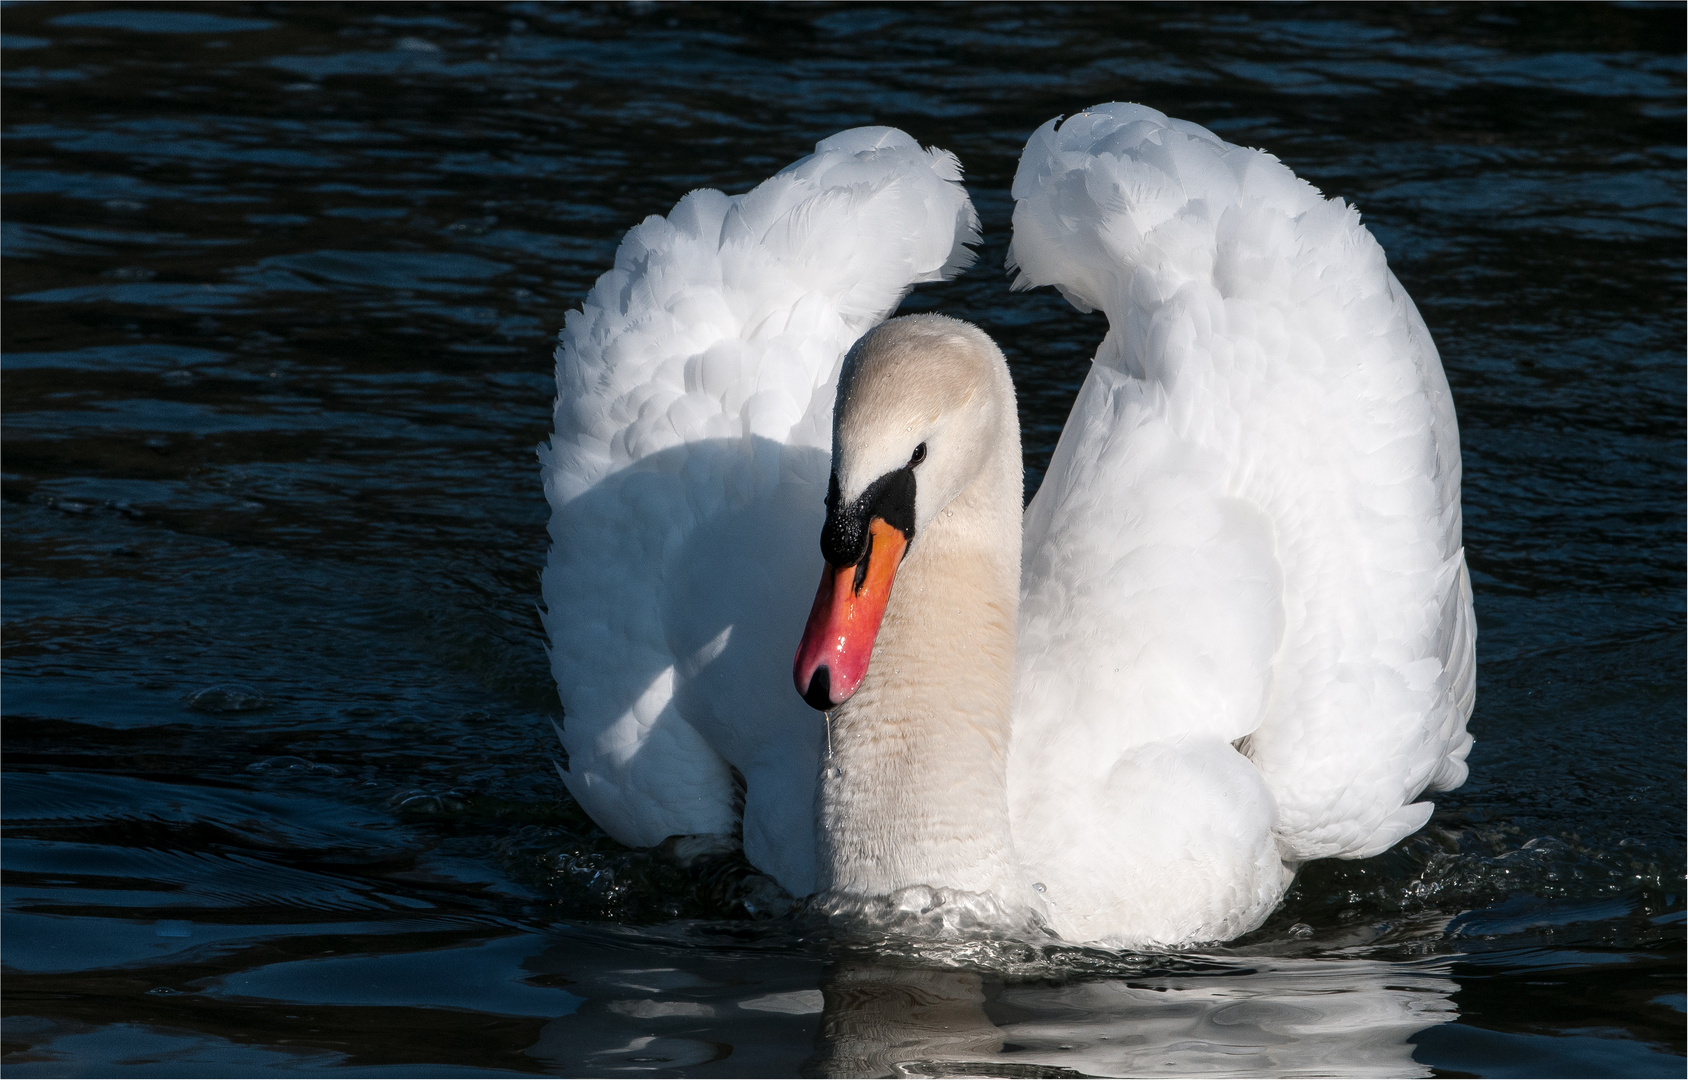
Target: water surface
281 284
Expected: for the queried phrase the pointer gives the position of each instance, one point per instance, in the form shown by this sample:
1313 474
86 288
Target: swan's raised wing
1250 531
687 474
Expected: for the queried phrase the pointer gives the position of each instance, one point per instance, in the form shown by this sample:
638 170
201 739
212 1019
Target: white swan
1240 636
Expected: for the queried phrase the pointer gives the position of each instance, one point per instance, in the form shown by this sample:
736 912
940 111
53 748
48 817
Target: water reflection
742 1007
880 1020
1313 1017
1286 1018
1183 1015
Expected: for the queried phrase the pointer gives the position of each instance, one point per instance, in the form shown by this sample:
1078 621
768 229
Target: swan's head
921 404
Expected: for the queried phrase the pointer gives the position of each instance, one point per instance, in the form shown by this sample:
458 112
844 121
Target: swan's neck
915 790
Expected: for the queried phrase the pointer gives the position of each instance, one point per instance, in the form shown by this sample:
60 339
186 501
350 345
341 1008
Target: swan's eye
918 456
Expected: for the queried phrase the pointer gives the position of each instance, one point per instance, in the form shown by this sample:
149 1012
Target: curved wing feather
686 478
1250 531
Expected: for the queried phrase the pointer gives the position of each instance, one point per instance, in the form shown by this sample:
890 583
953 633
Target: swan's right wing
687 475
1249 532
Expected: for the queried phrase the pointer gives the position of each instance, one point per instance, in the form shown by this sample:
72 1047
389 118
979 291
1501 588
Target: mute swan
1239 635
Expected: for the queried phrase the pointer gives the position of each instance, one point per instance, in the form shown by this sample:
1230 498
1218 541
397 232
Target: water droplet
290 764
228 697
1301 930
473 226
129 273
1039 886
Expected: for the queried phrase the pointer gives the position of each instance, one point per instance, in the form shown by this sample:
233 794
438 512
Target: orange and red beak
849 605
863 542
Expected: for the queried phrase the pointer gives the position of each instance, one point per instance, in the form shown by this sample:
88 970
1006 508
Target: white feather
1249 534
1245 633
686 478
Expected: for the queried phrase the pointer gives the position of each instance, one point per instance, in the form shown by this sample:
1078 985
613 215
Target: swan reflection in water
872 1017
1312 1017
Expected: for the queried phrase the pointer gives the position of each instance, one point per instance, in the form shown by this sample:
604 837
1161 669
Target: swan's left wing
1250 531
687 476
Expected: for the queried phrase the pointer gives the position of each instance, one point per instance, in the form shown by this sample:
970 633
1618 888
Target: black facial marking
861 567
844 538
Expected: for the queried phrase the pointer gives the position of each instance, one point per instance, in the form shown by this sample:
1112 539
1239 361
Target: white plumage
1245 631
1249 533
686 479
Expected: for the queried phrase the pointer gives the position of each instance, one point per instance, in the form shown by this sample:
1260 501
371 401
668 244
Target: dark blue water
279 295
